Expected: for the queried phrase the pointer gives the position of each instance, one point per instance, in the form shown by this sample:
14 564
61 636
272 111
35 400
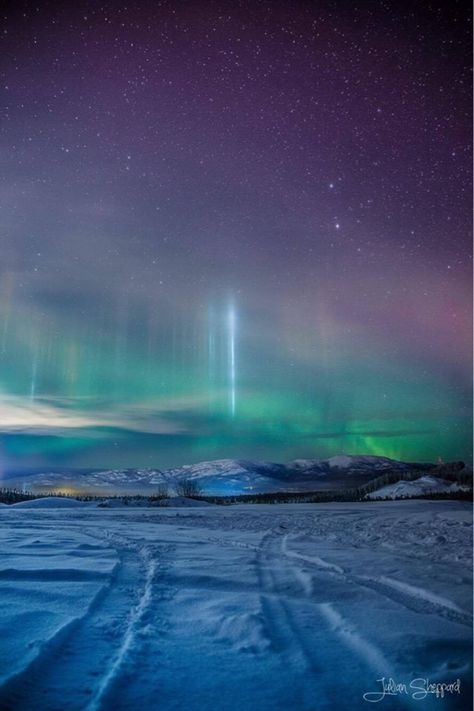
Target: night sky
234 229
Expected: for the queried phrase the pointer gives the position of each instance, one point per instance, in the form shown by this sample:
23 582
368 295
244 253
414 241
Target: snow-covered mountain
229 476
349 466
422 485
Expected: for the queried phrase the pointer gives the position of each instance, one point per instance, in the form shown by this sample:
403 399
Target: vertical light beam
231 335
34 371
211 348
211 356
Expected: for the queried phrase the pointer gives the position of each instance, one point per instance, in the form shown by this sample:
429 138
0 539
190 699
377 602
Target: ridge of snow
422 485
49 502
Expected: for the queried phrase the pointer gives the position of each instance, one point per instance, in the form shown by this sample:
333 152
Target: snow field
246 608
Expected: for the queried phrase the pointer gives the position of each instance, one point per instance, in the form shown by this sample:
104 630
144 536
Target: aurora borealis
234 229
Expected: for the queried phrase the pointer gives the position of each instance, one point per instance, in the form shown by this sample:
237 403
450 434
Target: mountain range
226 476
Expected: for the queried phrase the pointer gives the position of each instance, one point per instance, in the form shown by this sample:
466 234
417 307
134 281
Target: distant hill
423 485
229 476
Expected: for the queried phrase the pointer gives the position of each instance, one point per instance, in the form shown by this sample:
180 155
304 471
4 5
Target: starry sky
234 229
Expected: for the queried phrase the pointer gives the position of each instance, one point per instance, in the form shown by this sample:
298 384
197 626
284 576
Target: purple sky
304 166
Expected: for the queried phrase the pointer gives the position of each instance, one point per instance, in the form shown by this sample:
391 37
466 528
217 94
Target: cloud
64 417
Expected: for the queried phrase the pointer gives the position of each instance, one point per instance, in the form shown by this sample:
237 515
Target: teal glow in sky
234 232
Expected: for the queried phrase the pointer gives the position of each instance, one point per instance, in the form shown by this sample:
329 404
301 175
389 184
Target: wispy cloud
63 416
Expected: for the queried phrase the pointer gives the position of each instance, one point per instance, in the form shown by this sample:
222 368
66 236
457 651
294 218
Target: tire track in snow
353 639
91 659
14 689
314 560
412 598
349 633
363 648
311 644
286 636
133 624
151 561
12 692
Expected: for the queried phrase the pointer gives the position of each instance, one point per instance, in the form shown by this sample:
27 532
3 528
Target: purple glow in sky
234 229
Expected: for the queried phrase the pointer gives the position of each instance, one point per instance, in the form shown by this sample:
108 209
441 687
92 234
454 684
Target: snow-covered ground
243 608
416 487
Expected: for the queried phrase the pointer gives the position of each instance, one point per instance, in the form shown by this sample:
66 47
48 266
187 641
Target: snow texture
237 608
417 487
